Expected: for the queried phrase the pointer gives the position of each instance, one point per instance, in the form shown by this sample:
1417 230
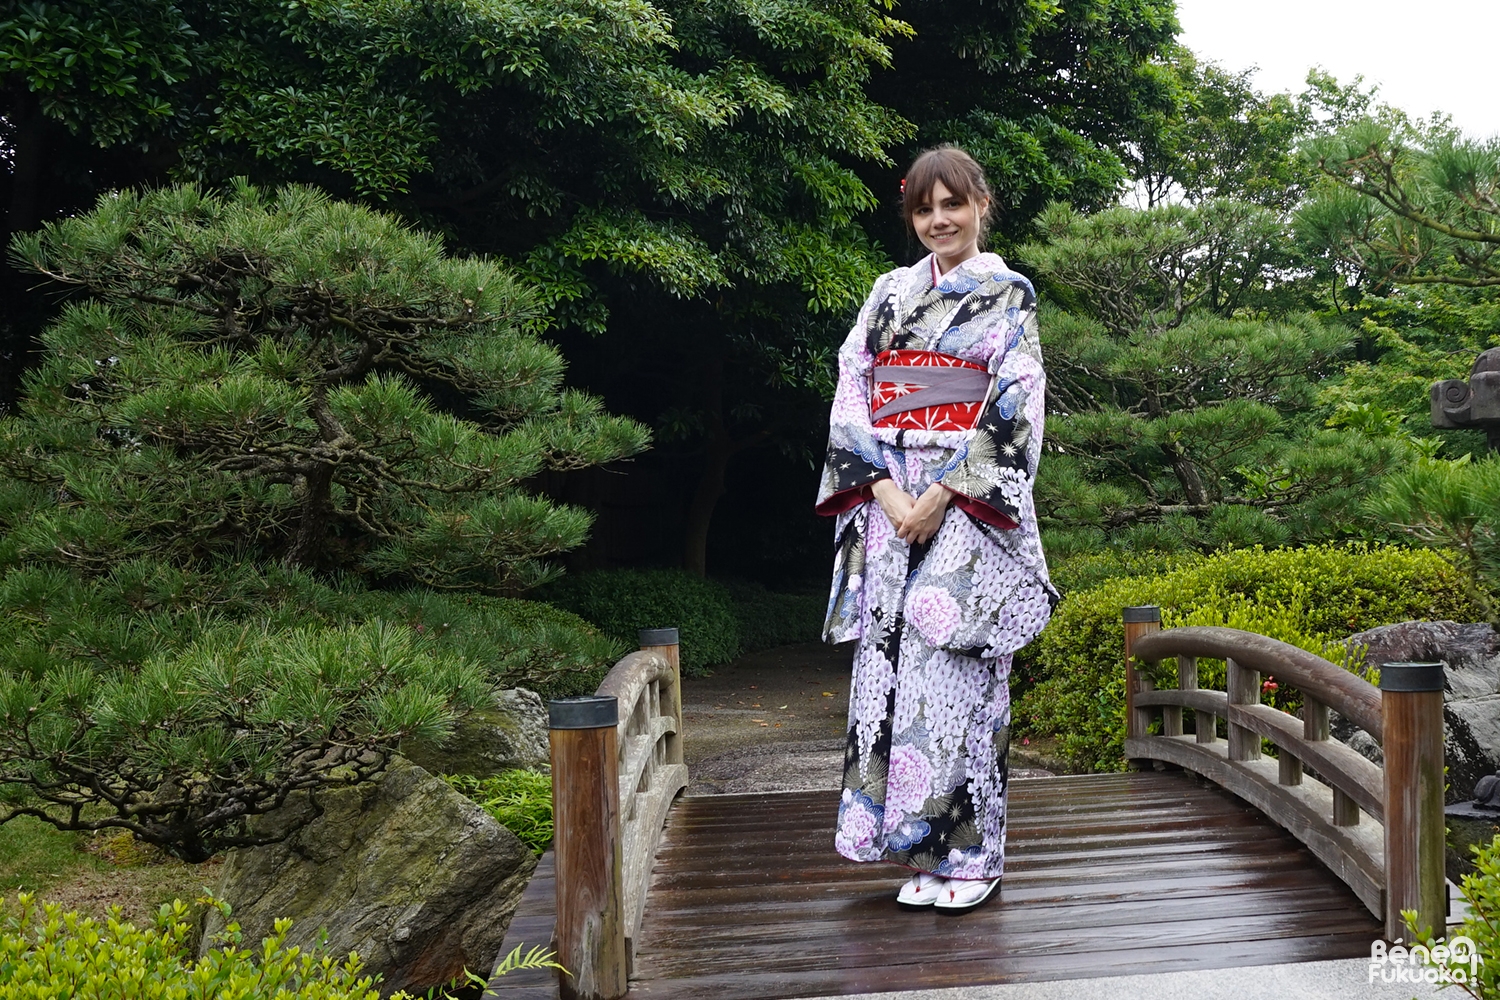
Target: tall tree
704 168
253 378
246 391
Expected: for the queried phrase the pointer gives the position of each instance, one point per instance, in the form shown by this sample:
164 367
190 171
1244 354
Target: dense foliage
254 376
718 620
622 602
269 404
1181 413
48 953
520 801
1313 597
710 187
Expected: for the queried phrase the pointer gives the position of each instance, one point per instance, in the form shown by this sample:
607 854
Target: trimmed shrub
526 644
1312 597
623 601
141 609
45 952
768 619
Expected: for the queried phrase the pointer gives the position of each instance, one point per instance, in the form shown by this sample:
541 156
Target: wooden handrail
1398 866
617 767
1352 697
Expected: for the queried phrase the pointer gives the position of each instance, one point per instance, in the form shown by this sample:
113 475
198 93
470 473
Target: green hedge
768 619
623 601
47 953
1311 597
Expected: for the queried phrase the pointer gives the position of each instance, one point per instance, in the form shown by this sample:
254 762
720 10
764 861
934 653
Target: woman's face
949 226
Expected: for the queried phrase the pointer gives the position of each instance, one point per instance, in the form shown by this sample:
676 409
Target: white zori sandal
921 890
965 894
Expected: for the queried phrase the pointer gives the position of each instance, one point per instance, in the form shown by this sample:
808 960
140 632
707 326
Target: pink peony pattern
934 612
936 627
908 785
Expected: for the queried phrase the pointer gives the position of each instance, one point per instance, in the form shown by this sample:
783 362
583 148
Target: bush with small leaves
1474 969
46 952
519 800
623 601
1313 598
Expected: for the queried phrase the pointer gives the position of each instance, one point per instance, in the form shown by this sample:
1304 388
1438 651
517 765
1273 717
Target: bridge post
586 847
665 642
1243 684
1412 724
1139 621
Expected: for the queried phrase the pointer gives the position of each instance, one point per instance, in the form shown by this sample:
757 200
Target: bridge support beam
586 846
1139 621
1412 720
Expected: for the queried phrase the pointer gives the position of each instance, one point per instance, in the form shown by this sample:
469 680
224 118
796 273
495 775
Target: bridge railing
1317 788
617 766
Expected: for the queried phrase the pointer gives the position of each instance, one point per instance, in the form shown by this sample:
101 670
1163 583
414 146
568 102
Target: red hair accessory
903 187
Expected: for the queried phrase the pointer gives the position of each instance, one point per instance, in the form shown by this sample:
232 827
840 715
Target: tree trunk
1187 475
716 453
701 510
317 491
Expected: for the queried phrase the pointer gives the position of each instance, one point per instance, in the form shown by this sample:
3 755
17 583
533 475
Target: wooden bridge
1207 856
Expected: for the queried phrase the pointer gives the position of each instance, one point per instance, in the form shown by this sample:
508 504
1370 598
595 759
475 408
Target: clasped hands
915 521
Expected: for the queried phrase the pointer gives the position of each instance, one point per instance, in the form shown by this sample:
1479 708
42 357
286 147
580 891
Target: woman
939 575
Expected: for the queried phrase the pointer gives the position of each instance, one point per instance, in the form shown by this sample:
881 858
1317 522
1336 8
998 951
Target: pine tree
1181 408
284 376
245 392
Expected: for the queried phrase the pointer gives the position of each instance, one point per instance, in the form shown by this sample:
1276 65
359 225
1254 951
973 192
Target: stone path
773 721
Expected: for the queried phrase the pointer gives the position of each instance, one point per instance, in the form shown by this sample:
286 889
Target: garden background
363 357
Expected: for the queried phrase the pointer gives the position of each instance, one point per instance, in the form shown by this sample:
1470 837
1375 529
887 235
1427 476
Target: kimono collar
992 262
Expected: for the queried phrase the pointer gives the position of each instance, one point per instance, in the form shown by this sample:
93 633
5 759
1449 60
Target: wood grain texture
534 923
1136 719
1354 853
590 898
1335 763
1105 874
1414 832
1243 687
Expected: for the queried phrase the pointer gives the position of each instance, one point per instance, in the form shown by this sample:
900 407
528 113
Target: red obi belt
927 391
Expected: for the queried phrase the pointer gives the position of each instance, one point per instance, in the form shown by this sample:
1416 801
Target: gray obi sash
942 385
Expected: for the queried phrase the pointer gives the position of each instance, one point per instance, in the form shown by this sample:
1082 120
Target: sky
1427 55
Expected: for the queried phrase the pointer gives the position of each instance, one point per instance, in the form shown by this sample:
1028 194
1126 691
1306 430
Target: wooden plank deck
1105 875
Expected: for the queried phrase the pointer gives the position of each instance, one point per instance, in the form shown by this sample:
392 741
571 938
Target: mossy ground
91 873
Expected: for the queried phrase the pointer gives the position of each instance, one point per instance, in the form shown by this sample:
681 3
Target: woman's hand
926 515
895 501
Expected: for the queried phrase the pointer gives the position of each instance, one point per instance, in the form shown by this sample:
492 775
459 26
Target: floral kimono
939 381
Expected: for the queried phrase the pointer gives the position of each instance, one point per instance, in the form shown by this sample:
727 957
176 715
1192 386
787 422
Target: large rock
1471 696
487 741
414 877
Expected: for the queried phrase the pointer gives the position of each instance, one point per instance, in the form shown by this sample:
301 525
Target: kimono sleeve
854 460
992 472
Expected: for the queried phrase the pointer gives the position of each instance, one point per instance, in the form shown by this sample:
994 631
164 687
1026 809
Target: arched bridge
1210 855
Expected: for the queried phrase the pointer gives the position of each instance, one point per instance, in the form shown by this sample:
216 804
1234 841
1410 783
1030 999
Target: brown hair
959 173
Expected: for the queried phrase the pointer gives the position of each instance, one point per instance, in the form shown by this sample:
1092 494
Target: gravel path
773 721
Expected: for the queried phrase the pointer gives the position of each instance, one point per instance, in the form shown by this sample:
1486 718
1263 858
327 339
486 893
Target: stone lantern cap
1474 403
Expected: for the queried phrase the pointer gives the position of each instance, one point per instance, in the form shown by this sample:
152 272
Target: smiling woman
939 575
946 201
